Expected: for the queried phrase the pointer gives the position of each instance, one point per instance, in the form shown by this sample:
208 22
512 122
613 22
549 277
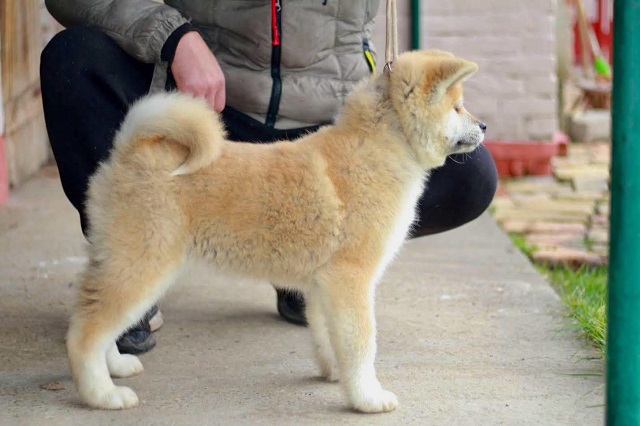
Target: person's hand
197 71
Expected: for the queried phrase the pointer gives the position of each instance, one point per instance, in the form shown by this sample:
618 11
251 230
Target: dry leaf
53 386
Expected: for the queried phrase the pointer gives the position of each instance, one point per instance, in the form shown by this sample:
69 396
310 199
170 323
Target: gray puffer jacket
288 63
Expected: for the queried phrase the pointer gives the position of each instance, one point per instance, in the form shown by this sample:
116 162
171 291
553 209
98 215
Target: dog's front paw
124 365
114 398
380 401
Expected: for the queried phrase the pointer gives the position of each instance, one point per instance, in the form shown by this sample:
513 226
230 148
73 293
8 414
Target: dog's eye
457 108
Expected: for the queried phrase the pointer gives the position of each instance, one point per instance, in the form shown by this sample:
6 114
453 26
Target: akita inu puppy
324 215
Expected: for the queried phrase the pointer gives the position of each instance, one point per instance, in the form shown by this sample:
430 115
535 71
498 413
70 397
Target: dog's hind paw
376 402
124 365
329 372
116 398
332 377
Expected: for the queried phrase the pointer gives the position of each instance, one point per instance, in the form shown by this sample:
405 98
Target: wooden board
21 43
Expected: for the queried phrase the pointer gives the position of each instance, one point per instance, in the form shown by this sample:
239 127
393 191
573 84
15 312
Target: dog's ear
428 73
448 72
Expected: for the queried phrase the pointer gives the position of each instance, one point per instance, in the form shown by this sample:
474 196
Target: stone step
590 172
581 196
505 214
537 186
532 226
590 184
578 207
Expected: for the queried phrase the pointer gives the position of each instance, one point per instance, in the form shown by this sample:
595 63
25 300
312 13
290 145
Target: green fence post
623 340
415 24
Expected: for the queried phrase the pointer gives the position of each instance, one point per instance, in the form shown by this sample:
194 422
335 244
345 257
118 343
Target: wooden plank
21 43
23 108
27 151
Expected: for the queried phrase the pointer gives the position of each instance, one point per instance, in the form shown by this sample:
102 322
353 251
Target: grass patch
583 290
521 243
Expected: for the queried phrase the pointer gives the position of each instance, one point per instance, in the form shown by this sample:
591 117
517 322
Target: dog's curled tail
181 118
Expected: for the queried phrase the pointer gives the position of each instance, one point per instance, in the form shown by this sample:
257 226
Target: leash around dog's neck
391 52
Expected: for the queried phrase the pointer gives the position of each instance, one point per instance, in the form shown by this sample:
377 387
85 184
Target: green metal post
623 341
415 24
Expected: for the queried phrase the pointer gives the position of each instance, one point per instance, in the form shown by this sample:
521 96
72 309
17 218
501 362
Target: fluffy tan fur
324 215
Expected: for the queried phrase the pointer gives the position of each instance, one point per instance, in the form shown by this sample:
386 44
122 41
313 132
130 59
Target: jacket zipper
276 88
368 56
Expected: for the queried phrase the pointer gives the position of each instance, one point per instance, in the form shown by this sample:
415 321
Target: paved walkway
564 217
469 334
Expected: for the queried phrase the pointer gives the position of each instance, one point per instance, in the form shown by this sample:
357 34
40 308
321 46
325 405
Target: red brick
560 228
601 249
544 241
517 226
600 220
517 158
568 257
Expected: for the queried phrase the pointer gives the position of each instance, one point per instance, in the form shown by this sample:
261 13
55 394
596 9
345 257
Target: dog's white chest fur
405 218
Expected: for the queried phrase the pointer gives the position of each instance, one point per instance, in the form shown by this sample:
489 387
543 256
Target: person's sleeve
140 27
169 48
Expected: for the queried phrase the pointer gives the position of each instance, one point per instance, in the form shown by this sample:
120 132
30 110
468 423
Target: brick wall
515 91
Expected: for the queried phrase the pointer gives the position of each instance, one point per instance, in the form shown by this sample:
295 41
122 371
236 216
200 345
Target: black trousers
88 83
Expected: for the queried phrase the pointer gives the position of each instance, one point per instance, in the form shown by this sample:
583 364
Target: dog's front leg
348 295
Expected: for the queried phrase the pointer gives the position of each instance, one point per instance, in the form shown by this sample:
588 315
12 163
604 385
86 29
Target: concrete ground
469 334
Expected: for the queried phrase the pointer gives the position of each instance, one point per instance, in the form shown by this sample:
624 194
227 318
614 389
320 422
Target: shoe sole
156 321
127 347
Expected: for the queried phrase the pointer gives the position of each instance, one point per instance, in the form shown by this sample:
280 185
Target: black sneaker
138 339
291 306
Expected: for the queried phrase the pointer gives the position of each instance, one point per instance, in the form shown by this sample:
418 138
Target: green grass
583 290
520 242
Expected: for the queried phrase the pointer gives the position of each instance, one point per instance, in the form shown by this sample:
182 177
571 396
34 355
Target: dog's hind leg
122 365
113 296
348 296
317 320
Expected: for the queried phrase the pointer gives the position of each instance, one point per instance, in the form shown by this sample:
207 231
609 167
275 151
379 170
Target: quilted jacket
288 63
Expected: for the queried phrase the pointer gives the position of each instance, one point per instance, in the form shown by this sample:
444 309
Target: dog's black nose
483 127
